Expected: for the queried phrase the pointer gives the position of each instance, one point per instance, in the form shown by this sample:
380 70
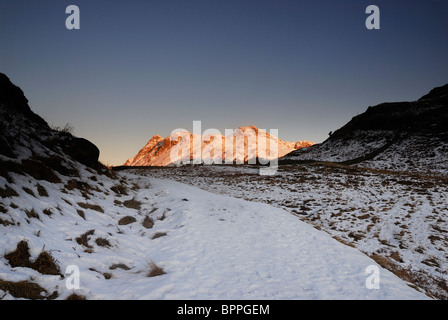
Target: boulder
82 150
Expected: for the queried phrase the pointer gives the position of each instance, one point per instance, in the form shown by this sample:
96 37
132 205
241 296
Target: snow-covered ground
418 153
117 228
209 246
401 220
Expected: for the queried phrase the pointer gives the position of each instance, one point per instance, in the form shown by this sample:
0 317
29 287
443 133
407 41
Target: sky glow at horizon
140 68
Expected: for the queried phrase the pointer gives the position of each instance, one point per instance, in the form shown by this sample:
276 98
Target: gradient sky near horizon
140 68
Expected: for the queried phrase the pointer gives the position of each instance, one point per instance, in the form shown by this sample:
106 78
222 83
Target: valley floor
140 237
399 220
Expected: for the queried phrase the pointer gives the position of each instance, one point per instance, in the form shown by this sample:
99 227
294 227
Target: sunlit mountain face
243 145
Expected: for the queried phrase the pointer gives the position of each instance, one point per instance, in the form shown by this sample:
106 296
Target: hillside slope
401 136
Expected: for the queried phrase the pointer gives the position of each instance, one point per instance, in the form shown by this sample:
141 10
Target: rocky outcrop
403 136
82 150
19 125
13 99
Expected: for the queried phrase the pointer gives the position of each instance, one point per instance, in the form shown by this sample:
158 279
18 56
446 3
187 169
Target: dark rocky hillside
401 136
25 136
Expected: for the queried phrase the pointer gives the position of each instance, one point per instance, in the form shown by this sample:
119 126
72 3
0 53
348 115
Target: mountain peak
201 148
156 137
251 127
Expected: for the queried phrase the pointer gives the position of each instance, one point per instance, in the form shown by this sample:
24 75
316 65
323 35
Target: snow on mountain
71 229
241 146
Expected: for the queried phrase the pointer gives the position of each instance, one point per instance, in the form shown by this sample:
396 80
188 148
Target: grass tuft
8 192
102 242
84 238
119 266
119 189
132 204
20 257
126 220
148 222
25 290
45 264
90 206
75 296
29 191
158 235
155 270
42 191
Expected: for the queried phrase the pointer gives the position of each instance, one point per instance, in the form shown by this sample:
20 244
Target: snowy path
219 247
209 246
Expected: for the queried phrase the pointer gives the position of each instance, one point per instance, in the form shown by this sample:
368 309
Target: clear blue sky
140 68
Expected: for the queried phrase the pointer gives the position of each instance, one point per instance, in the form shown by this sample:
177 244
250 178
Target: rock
13 103
14 100
82 150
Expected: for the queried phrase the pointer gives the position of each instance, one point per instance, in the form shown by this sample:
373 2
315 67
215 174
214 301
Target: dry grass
8 192
84 238
68 202
119 266
434 287
26 290
20 257
158 235
42 191
132 204
155 270
81 214
102 242
29 191
162 217
75 296
85 188
47 212
119 190
126 220
32 214
44 263
148 222
106 275
91 206
5 222
39 171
